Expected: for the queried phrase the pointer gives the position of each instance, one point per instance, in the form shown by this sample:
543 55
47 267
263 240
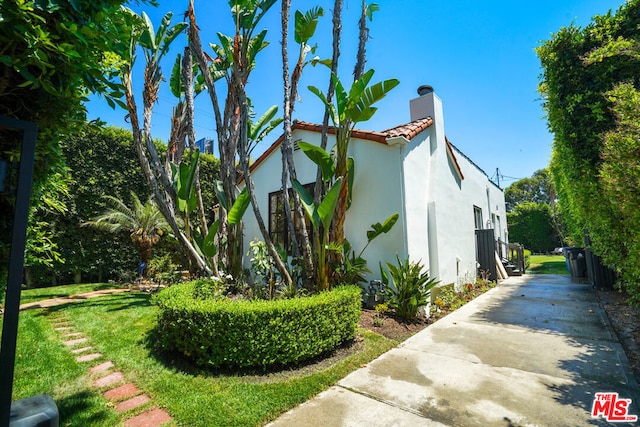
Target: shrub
527 259
162 269
410 290
206 288
255 333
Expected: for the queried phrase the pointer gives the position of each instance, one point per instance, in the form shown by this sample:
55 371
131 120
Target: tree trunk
288 166
337 28
358 71
152 182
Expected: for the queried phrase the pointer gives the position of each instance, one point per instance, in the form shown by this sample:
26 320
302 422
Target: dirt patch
625 320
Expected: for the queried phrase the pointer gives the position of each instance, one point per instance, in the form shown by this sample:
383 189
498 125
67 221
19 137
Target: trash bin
576 261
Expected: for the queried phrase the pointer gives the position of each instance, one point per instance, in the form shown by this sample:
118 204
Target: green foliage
194 397
353 267
320 215
219 333
209 288
538 189
53 54
620 178
163 269
409 288
530 224
582 66
144 223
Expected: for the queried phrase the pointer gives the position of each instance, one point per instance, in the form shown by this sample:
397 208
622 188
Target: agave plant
411 287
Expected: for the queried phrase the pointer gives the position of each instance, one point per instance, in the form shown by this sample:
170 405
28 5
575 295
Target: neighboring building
205 145
441 195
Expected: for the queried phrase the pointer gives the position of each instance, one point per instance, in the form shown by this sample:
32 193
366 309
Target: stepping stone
154 417
113 378
63 328
71 343
101 367
88 357
73 334
132 403
124 390
81 350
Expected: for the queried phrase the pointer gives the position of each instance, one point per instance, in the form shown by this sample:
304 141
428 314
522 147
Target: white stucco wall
416 179
449 201
376 195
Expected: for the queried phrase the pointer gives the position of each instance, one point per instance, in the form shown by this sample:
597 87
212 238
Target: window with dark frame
477 217
278 229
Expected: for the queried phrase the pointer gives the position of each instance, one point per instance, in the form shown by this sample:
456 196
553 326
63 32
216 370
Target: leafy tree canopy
52 54
538 188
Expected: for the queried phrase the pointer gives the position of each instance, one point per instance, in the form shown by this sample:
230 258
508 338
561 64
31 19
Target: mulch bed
625 320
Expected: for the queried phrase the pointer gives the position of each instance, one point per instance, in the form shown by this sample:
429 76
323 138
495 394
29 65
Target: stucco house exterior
442 197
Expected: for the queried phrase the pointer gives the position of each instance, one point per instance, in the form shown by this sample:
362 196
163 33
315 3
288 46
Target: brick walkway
136 408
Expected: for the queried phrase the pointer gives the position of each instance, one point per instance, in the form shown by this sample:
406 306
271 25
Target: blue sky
478 56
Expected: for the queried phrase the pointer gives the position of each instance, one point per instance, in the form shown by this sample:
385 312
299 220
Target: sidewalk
531 352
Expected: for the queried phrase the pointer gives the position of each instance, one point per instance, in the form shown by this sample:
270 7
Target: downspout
401 142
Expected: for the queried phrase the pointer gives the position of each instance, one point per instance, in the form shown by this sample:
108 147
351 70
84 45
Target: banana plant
350 109
320 216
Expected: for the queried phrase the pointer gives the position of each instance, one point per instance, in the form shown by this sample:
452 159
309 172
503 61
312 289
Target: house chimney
423 106
425 89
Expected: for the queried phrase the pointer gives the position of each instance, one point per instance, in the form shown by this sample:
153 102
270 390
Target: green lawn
548 264
37 294
120 326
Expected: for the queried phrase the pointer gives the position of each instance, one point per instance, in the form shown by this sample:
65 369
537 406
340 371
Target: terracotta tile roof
408 130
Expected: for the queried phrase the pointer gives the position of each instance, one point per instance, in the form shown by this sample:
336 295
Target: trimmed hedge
226 333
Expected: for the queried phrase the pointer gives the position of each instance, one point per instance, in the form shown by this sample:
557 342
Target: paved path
52 302
530 352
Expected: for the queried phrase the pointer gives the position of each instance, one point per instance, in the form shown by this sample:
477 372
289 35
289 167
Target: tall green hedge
102 161
225 333
582 114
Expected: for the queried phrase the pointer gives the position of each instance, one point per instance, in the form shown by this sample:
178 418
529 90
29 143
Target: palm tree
144 223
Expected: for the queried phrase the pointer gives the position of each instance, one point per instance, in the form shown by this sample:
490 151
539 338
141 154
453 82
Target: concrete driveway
533 351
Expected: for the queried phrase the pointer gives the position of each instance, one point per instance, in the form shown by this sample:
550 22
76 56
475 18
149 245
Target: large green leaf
373 7
327 207
219 190
147 38
351 170
175 82
305 24
187 174
359 86
362 110
239 207
317 92
172 34
256 44
385 227
162 29
209 247
307 203
255 128
342 100
320 157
